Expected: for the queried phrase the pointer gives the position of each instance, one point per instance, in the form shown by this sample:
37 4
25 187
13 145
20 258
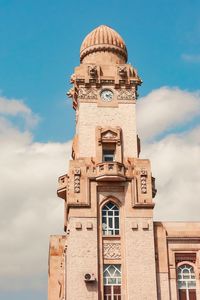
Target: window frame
113 282
186 288
106 156
110 219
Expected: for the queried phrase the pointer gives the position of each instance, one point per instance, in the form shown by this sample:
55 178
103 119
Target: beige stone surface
140 260
149 252
91 116
82 258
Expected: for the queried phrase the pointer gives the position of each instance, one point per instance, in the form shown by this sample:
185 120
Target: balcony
110 171
62 184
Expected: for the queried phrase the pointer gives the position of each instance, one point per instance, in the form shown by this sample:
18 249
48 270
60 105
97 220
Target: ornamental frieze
87 93
126 94
112 250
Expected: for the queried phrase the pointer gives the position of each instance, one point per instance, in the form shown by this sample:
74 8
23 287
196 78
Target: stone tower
108 250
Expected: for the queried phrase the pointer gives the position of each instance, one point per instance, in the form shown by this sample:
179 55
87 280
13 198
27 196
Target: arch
111 198
110 219
186 280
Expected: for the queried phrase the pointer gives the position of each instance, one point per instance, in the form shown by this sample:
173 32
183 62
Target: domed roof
103 38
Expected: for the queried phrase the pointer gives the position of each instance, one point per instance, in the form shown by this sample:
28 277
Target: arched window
112 282
110 219
186 282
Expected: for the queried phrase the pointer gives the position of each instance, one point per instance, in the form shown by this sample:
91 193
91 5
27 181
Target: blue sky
40 42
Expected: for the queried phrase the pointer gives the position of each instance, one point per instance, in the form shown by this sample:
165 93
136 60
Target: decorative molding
143 181
73 78
112 250
77 174
122 71
126 94
72 93
93 71
109 135
103 48
87 93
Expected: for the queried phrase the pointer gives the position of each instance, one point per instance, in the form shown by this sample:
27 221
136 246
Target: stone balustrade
113 171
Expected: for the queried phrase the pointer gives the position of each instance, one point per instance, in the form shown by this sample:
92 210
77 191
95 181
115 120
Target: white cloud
14 107
191 58
30 210
175 157
164 109
175 163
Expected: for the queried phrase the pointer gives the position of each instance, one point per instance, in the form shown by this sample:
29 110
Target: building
112 248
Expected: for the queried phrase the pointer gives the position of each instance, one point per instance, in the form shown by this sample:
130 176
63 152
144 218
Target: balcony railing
113 171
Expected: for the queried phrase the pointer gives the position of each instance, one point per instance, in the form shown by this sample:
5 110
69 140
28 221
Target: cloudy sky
40 42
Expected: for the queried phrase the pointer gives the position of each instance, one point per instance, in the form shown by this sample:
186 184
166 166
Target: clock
106 95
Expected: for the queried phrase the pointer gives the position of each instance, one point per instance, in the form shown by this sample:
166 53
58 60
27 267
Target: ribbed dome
103 38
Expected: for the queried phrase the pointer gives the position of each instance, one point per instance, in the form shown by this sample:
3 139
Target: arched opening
110 219
186 282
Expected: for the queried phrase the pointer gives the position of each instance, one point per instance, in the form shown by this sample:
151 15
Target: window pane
110 223
111 281
182 295
117 289
116 222
107 289
192 294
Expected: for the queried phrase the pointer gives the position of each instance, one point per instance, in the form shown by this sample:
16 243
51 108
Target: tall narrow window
112 282
186 282
110 219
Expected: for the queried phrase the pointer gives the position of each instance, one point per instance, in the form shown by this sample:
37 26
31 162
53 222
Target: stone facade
112 249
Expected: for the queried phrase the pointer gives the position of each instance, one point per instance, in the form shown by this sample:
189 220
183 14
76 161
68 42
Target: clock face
107 95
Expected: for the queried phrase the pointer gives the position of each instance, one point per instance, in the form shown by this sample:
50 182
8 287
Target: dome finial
103 39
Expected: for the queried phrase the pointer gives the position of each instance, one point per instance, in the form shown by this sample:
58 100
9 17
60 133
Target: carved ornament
87 93
73 78
112 250
93 71
109 135
143 181
122 71
126 94
77 174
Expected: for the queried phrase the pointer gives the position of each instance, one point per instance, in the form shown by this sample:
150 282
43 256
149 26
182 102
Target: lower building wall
81 258
176 244
140 260
150 259
56 268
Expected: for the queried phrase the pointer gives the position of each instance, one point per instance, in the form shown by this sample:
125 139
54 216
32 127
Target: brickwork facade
112 249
